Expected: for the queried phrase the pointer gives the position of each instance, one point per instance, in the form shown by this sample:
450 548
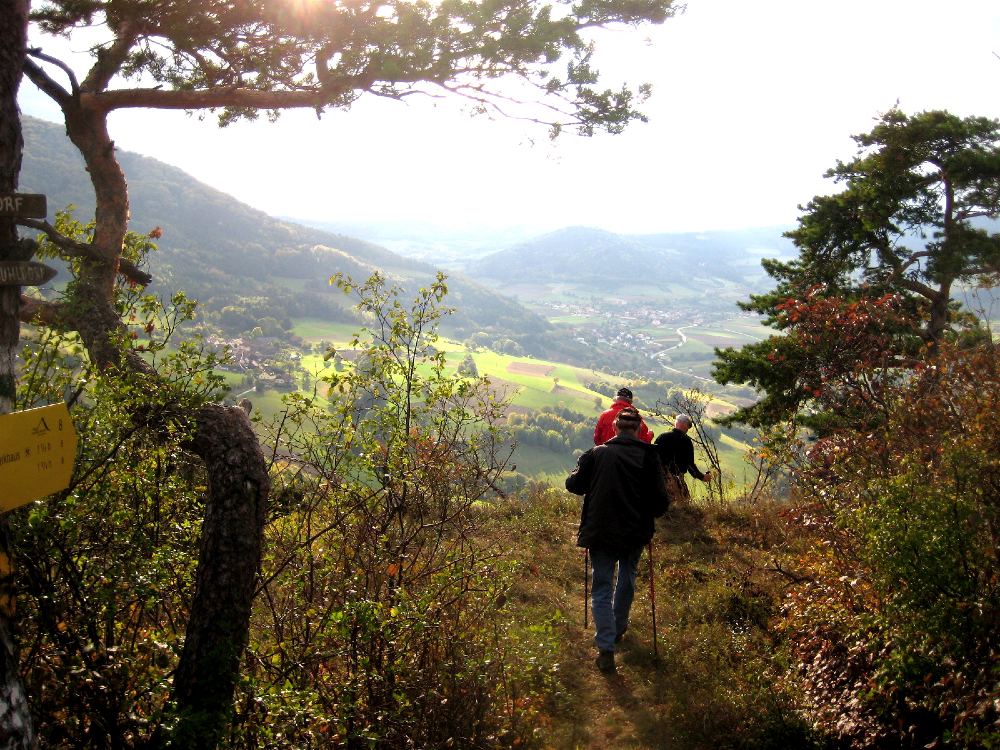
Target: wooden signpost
37 446
23 206
25 273
37 450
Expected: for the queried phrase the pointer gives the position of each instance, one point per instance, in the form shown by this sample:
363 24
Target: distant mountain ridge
594 257
578 254
244 265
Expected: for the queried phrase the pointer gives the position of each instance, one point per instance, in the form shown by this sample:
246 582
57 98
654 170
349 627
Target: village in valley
264 361
668 340
655 331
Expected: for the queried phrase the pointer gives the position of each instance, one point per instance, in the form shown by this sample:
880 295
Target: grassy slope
314 330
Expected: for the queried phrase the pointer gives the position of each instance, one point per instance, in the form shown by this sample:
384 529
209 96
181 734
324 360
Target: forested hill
192 215
222 251
588 256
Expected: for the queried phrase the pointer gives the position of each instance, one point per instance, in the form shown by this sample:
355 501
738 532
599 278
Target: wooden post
17 730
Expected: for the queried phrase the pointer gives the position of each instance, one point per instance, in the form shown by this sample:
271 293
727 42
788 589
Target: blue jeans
610 600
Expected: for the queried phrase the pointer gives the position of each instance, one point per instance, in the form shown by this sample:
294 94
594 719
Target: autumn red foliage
895 624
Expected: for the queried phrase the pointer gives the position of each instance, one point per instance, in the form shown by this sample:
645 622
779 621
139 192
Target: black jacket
676 451
623 489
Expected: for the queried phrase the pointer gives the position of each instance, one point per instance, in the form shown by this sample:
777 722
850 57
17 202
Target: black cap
624 393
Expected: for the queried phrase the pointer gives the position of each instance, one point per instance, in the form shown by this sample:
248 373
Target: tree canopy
888 252
522 58
247 57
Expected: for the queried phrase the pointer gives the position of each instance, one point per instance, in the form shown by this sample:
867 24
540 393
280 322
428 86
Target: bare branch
111 58
42 80
794 577
41 311
73 249
232 96
982 214
912 284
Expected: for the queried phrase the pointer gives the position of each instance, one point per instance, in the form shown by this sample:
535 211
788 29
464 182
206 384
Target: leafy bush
105 568
898 630
383 616
382 620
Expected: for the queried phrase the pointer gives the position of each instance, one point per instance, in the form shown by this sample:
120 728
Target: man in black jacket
677 457
623 491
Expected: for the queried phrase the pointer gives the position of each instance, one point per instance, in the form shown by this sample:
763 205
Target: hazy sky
752 102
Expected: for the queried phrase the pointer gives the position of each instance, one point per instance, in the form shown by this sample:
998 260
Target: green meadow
315 330
529 384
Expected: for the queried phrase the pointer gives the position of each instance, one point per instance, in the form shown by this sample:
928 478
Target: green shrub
383 619
105 568
897 631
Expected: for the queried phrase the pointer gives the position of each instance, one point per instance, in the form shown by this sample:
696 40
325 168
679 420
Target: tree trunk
227 576
16 727
235 505
940 315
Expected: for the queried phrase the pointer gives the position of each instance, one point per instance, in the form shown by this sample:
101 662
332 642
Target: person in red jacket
605 429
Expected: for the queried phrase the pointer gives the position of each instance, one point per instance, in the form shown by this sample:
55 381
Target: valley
555 321
551 405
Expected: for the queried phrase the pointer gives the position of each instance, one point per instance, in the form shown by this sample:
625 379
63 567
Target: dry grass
529 368
706 685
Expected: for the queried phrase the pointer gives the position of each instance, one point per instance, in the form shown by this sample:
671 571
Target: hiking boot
606 662
620 636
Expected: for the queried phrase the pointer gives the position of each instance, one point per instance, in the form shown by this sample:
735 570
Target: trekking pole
586 571
652 599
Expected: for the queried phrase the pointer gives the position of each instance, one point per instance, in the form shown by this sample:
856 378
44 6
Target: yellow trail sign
37 450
